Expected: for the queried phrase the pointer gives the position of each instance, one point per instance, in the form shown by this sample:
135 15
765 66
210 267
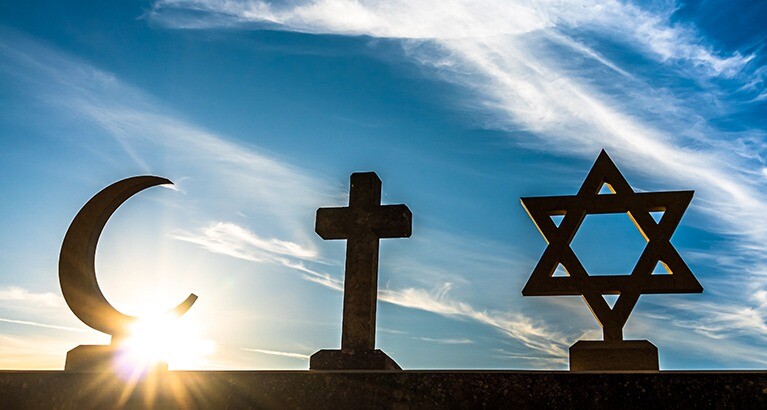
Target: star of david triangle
605 190
661 269
620 199
611 300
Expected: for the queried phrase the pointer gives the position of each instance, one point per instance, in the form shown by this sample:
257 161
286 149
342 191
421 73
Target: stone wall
408 389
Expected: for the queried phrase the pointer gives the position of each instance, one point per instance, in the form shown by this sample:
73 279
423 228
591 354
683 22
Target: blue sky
259 111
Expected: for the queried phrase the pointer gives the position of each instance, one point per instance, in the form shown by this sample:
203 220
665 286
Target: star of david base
347 359
99 358
627 355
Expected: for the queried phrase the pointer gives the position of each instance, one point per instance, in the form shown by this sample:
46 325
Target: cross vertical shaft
363 223
360 294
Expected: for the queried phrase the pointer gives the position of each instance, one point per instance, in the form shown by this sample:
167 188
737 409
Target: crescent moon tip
166 180
185 305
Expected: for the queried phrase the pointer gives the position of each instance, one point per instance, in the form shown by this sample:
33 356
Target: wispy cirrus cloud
37 324
226 238
231 240
461 341
21 302
541 72
18 294
534 334
650 30
720 321
151 134
29 319
503 51
141 125
292 355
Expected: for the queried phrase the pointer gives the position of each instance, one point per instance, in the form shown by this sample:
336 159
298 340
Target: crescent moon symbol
77 269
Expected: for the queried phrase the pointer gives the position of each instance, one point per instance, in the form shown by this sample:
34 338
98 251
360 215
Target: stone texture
640 355
625 355
362 224
629 288
345 359
91 358
99 358
77 274
401 390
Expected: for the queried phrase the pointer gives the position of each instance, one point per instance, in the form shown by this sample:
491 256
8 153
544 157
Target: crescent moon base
104 358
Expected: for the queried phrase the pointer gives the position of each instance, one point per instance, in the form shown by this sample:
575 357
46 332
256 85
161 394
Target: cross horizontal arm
392 221
385 221
333 223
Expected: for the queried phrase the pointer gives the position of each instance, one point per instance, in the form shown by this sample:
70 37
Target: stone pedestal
101 358
91 358
626 355
347 359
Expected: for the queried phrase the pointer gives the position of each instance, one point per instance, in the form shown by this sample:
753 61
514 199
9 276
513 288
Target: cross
362 224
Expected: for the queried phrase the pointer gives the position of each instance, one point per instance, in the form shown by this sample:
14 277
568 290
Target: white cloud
156 137
535 335
489 47
278 353
37 324
233 240
504 51
17 294
229 239
495 48
461 341
718 343
463 19
723 320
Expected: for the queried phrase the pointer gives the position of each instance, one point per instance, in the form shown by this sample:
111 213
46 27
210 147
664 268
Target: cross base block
99 358
626 355
347 359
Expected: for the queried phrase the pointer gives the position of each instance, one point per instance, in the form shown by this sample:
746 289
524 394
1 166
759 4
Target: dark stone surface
77 274
629 288
641 280
363 223
328 359
77 266
625 355
99 358
401 390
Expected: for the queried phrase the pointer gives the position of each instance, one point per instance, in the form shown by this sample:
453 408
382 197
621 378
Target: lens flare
156 341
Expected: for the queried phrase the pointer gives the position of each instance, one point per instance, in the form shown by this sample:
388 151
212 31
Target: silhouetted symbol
362 224
613 353
77 274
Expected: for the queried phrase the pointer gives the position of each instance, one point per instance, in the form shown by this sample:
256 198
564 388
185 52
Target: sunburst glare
157 340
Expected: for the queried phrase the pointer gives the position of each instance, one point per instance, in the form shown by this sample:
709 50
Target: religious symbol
77 275
363 223
613 353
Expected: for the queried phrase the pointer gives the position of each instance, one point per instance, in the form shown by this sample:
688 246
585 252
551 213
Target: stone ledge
408 389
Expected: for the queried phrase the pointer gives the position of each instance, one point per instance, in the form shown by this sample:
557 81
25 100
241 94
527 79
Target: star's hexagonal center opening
608 244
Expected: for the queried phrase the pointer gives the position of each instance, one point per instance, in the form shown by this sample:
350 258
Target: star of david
638 206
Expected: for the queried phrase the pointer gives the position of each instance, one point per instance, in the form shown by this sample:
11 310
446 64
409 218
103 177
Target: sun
156 340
